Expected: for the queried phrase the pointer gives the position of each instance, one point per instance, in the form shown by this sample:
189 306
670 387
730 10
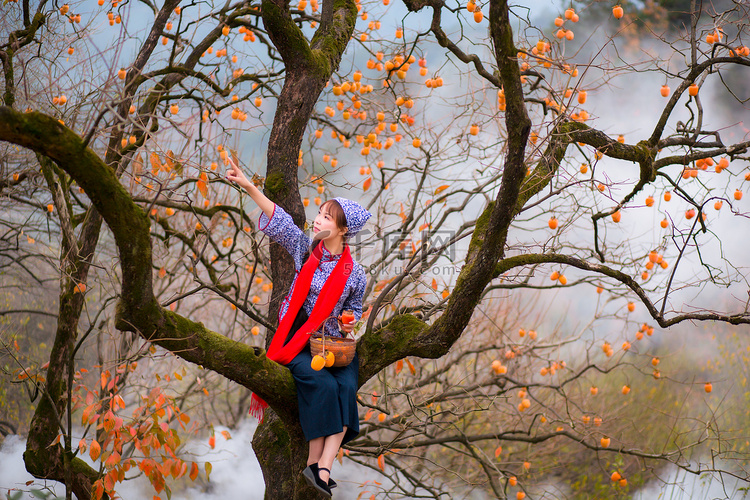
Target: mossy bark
279 443
308 69
281 448
41 458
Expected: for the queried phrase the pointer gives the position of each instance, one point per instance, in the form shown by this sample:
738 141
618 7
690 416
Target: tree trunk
43 460
282 454
281 451
281 447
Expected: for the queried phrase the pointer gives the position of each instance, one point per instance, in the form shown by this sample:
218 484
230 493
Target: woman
328 281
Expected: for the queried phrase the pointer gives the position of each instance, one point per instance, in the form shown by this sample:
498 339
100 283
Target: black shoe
331 483
312 477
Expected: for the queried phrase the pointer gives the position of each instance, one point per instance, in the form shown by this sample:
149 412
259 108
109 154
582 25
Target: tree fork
488 241
308 68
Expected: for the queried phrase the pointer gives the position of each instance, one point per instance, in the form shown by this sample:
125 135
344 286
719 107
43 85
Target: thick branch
688 80
16 41
308 67
488 241
407 335
138 309
624 278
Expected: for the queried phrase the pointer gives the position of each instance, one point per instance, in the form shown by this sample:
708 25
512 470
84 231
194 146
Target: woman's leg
330 450
317 397
315 450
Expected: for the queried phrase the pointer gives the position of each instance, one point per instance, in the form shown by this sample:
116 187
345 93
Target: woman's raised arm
235 174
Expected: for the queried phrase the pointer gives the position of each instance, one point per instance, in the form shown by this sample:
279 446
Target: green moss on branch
403 336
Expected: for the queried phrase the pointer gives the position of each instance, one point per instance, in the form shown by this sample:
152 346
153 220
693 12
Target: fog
236 472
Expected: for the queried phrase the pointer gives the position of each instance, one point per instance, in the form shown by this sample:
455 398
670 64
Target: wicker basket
343 349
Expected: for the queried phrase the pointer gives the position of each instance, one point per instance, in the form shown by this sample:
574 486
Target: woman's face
324 226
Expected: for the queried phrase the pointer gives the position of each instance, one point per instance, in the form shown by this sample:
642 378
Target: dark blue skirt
327 398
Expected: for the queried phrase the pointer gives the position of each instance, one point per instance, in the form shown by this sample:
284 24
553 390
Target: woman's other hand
345 327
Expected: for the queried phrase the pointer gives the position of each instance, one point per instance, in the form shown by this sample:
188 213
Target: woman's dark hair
334 208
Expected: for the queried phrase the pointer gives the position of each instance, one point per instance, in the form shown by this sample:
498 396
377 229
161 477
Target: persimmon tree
493 165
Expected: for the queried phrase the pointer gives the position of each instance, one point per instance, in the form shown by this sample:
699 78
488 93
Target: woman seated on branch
328 282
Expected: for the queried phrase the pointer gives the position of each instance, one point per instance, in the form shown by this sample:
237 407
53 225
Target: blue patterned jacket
282 229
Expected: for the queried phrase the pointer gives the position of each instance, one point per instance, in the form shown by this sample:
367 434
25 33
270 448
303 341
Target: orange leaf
226 435
498 451
86 417
399 366
109 421
381 463
411 366
176 468
112 460
155 162
212 442
193 471
146 466
440 189
98 489
118 401
368 414
434 284
183 470
366 184
94 450
169 160
157 481
162 272
203 188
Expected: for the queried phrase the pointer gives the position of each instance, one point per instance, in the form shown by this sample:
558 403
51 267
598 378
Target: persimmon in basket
317 363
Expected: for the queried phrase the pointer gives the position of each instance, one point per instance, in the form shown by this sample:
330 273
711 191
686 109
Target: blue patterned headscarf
356 215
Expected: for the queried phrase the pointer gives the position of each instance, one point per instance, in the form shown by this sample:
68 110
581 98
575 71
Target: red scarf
329 296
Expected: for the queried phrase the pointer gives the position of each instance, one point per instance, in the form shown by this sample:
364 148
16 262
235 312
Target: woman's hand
235 174
345 327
